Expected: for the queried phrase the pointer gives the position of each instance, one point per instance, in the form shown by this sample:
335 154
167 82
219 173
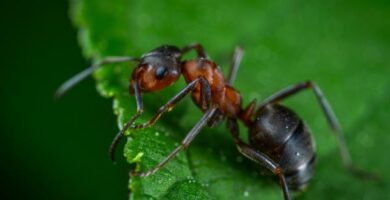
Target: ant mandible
278 138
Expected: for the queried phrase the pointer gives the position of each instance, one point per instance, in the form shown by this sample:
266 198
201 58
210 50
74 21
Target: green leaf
343 46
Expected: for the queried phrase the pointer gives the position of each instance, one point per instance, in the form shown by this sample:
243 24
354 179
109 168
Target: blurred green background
51 150
58 150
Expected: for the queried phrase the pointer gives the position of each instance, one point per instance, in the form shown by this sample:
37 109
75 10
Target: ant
278 138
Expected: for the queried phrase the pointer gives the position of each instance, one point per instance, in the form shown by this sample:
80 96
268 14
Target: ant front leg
140 110
85 73
205 95
206 101
258 157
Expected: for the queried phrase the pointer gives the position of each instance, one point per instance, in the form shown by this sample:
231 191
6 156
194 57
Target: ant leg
120 134
198 48
216 119
258 157
235 64
184 144
206 99
247 113
85 73
205 95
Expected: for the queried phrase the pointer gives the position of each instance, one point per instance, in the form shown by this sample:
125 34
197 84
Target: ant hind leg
258 157
329 115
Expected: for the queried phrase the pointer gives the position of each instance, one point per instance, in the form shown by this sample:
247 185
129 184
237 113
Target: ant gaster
278 138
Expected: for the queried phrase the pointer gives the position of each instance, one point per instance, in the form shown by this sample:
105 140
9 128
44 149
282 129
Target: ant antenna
67 85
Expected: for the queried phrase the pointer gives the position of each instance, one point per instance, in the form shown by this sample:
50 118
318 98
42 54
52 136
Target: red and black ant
278 138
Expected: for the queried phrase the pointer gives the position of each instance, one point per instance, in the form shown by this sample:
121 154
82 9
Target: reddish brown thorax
227 99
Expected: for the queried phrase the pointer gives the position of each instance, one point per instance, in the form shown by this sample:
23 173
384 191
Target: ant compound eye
161 72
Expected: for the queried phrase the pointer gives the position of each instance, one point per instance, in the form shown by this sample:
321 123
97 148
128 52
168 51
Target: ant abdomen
281 134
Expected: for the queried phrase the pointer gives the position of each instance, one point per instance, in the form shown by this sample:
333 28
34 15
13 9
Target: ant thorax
226 98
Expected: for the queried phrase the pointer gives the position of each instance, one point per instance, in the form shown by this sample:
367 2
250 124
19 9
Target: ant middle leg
231 77
67 85
209 113
257 156
184 144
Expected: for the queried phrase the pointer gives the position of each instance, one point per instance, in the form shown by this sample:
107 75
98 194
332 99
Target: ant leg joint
140 111
185 145
278 171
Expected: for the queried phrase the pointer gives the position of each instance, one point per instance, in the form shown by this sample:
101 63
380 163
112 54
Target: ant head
158 69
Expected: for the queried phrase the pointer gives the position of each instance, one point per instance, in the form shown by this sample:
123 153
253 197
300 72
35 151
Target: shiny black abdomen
280 133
